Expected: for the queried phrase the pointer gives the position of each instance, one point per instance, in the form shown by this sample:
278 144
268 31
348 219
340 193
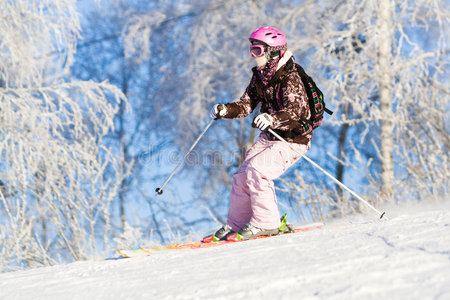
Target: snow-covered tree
386 62
140 48
55 196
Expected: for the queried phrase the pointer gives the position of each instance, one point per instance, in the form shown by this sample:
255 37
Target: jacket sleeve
246 104
295 105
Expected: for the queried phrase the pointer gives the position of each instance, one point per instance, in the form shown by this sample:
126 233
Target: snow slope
405 257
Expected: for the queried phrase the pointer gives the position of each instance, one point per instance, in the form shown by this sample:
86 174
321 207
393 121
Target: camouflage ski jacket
284 98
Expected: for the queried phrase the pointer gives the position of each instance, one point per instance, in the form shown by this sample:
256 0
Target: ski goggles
257 50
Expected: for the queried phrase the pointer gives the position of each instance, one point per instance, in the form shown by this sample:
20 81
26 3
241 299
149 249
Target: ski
129 253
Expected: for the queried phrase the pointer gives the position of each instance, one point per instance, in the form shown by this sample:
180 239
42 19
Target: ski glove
215 113
263 121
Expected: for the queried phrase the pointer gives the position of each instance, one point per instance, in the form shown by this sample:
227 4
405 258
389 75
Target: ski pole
328 174
159 190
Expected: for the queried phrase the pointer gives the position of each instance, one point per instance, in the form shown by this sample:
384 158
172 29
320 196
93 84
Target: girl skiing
277 86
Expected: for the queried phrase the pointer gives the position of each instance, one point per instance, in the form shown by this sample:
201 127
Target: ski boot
220 234
249 231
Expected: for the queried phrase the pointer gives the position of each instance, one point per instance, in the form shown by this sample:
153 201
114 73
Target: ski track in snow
405 257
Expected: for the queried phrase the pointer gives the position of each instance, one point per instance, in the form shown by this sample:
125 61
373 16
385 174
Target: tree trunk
386 124
341 155
123 144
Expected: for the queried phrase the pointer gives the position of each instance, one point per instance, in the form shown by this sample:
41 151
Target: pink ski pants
253 198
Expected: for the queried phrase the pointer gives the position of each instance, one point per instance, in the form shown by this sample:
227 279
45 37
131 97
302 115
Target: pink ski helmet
272 40
270 36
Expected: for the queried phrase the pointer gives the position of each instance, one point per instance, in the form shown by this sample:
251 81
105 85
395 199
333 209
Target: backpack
315 100
316 103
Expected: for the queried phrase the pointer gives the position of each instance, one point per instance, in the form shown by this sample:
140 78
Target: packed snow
406 256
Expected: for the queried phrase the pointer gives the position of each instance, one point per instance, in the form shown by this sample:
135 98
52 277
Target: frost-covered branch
53 170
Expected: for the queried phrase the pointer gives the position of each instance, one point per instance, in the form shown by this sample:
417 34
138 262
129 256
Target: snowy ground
405 257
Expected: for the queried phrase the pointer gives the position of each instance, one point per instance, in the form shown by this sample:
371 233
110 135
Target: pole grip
219 108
